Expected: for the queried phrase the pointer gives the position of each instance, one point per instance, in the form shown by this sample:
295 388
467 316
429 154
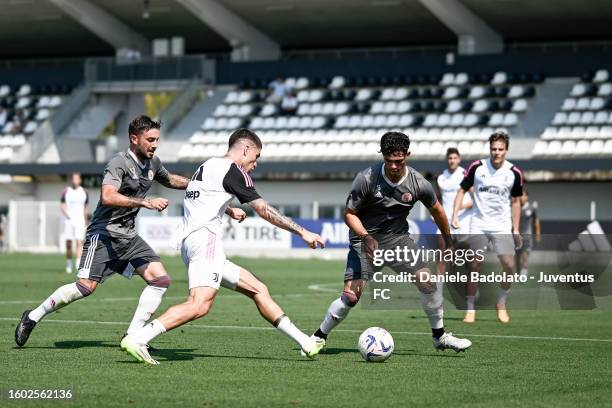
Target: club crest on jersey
406 197
133 171
151 174
378 193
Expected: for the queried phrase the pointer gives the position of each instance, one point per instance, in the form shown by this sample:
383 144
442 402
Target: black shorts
104 256
358 266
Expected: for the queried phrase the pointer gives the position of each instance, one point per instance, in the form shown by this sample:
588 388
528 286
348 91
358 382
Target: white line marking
323 287
408 333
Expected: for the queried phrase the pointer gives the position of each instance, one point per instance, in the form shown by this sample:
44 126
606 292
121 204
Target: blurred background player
448 184
213 186
529 226
112 244
498 186
73 205
376 212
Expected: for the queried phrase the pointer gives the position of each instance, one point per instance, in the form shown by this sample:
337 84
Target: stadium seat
601 75
337 82
499 78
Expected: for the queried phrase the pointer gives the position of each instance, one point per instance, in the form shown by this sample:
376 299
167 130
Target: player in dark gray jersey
112 245
376 212
528 227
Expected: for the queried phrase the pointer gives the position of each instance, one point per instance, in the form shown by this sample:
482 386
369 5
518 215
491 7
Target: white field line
407 333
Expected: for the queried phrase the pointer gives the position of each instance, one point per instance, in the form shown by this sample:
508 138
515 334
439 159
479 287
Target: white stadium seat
337 82
519 105
605 89
476 92
447 79
516 91
578 90
582 103
499 78
569 104
601 75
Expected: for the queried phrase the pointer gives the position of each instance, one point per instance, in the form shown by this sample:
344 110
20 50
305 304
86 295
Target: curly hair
392 142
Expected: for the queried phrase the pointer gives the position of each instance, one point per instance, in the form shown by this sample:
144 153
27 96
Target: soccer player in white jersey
213 186
73 205
498 186
448 183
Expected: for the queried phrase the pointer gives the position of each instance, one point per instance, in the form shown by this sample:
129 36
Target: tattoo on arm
271 214
175 181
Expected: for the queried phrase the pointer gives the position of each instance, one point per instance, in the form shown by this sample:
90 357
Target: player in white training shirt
498 186
73 205
448 183
213 186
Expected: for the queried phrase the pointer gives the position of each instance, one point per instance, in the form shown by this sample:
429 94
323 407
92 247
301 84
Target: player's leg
522 256
351 293
148 266
158 281
243 281
79 251
198 304
441 266
504 246
432 302
69 265
476 242
91 272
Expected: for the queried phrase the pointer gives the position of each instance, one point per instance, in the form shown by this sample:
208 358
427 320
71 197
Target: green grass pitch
233 358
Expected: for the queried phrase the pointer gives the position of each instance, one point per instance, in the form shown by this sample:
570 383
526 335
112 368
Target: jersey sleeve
161 175
358 193
517 186
426 192
470 173
63 197
86 196
238 182
114 171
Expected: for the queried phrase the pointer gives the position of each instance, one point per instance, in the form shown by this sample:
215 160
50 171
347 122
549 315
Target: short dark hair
500 135
392 142
452 150
142 123
244 133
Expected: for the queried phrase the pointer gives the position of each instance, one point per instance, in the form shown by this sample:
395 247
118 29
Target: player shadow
188 354
332 351
427 354
75 344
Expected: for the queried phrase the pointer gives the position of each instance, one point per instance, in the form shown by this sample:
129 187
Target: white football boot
448 341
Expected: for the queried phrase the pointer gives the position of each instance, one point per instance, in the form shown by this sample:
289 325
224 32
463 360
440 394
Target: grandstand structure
414 69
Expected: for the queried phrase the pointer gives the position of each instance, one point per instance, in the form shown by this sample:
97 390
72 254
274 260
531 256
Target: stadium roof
36 28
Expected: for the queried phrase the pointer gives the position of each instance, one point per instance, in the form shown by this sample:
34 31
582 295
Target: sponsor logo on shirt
133 171
192 195
151 174
378 193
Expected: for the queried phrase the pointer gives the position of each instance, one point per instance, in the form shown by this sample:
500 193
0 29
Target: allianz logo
335 232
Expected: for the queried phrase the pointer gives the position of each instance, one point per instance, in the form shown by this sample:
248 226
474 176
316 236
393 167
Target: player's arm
85 206
274 217
63 206
516 192
110 196
354 223
466 184
236 213
174 181
537 228
469 204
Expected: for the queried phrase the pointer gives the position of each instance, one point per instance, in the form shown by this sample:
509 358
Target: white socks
69 264
502 296
469 304
149 332
432 305
336 313
150 299
58 299
284 324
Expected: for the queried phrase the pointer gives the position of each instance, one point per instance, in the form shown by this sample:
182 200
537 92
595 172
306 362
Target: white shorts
203 255
74 230
498 242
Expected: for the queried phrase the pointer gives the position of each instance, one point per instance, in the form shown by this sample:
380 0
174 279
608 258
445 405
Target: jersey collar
392 184
141 165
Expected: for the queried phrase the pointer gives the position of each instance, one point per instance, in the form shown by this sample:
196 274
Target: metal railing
155 69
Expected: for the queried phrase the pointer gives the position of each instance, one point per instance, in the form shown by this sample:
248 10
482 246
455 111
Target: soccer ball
375 344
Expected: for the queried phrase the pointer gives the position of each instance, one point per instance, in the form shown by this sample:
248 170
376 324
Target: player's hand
236 214
159 204
518 240
370 244
313 240
455 222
